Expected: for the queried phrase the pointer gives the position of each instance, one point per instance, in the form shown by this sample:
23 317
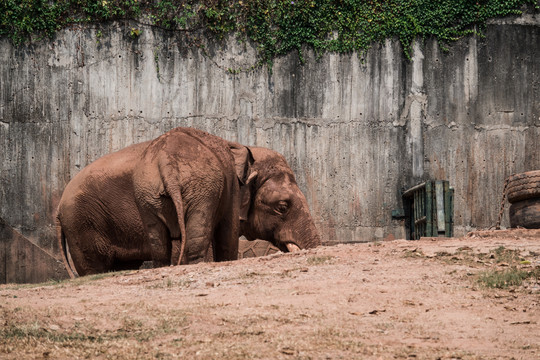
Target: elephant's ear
246 190
242 160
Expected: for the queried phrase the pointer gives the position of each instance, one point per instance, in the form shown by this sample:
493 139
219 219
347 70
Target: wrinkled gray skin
172 199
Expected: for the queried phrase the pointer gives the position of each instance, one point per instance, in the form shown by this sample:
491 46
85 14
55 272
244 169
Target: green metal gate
429 210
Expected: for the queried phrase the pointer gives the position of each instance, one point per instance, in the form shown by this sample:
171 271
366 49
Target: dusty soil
392 299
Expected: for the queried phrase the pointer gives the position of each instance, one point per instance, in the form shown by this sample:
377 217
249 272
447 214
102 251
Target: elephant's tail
66 257
181 222
176 196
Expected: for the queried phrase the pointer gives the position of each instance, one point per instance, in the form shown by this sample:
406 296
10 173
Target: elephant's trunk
301 234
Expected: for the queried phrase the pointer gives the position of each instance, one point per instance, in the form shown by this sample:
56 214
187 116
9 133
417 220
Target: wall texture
355 128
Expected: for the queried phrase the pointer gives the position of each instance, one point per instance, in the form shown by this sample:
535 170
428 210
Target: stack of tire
255 248
523 193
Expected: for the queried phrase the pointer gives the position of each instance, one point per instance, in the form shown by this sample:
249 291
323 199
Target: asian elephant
172 199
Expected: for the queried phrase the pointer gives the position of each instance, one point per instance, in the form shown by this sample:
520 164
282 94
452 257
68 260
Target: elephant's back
116 164
200 163
197 149
191 144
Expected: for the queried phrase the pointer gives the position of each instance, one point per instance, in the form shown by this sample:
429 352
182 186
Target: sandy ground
393 299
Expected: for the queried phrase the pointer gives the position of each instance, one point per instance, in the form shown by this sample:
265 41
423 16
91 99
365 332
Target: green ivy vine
275 26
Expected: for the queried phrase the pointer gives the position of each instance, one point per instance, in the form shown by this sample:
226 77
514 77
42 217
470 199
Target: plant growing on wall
275 26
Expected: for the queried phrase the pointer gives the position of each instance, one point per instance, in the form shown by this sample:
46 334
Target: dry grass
390 300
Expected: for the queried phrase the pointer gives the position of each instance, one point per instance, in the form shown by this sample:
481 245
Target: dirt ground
427 299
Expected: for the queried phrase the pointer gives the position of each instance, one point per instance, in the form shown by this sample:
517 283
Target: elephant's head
273 207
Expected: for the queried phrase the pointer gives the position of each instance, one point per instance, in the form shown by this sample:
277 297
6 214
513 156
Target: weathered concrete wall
23 261
355 129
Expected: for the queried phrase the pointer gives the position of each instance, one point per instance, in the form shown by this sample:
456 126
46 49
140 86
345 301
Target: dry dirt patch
396 299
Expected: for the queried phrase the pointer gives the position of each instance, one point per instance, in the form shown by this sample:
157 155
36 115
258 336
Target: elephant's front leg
226 241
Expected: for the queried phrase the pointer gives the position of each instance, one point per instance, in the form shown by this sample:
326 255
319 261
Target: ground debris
420 300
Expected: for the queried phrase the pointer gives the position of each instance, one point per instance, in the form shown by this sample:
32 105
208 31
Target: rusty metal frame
429 209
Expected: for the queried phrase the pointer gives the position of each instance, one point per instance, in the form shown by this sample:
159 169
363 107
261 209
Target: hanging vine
275 26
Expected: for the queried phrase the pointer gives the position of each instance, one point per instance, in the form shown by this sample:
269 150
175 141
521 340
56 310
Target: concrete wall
356 129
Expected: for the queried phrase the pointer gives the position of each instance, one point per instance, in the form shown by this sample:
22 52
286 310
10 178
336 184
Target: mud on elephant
172 199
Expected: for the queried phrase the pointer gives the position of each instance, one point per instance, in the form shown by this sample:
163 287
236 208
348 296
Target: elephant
184 197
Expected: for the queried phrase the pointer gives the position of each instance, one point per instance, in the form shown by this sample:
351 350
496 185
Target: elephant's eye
282 207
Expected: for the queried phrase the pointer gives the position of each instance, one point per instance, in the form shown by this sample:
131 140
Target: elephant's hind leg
199 233
159 239
90 252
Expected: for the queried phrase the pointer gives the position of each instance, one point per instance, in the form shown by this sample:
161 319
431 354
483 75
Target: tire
523 186
526 214
255 248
